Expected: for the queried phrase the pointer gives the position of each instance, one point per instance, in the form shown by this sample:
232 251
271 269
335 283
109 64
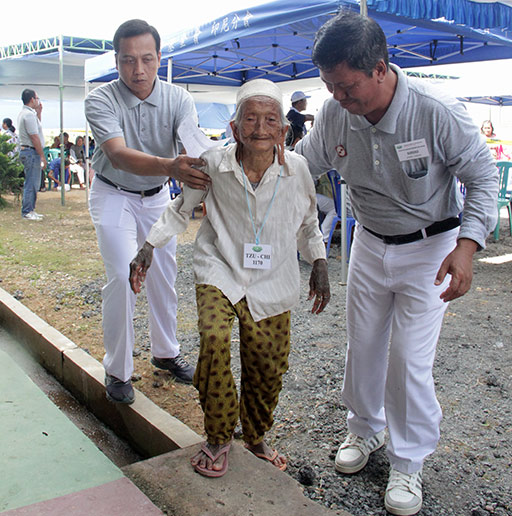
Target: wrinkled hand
319 286
459 264
185 169
140 265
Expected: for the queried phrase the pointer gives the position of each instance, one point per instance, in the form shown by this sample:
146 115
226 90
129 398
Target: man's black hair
132 28
27 95
350 38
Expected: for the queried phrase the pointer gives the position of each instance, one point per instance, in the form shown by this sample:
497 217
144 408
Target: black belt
142 193
28 147
434 229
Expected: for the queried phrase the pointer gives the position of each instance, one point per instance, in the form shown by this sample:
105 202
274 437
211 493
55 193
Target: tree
10 169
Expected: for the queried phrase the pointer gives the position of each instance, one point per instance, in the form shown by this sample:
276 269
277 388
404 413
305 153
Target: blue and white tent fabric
274 40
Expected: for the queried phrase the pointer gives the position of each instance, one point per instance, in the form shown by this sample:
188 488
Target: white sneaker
403 493
354 452
32 216
38 214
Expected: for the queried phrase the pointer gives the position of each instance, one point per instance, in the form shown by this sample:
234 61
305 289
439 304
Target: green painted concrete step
43 455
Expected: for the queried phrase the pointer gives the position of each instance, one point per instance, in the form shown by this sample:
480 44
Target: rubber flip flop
270 459
224 450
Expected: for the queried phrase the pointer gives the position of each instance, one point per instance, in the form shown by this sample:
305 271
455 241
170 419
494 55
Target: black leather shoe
118 391
177 366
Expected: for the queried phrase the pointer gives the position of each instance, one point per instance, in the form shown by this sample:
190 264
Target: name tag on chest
257 256
412 150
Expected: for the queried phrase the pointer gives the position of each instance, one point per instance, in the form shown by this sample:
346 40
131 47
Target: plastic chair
335 180
174 189
504 197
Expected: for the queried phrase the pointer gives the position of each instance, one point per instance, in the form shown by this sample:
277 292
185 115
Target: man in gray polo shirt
31 151
400 145
134 121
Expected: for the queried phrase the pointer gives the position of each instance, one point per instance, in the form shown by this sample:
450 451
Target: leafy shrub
11 169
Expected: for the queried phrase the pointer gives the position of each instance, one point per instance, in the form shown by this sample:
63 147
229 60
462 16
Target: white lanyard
258 233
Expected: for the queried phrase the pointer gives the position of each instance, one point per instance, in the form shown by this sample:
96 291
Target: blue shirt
54 166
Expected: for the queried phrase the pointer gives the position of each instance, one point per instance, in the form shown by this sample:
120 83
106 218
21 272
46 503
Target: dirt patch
55 269
469 473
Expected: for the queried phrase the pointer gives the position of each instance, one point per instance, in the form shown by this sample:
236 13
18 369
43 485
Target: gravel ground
471 471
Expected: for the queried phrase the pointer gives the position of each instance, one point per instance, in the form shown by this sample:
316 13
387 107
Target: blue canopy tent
274 40
503 100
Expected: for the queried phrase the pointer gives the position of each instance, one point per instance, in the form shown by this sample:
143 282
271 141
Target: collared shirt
292 225
148 125
394 197
298 129
29 124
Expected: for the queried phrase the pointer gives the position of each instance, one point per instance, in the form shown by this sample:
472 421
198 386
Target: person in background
31 151
10 131
67 143
54 174
77 160
496 147
56 143
245 265
91 147
400 144
134 121
297 119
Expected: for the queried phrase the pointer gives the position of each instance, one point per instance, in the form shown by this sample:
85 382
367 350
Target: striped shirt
292 225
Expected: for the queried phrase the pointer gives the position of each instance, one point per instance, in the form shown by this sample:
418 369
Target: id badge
257 256
412 150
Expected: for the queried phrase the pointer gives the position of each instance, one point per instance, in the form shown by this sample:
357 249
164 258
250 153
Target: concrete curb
150 430
252 487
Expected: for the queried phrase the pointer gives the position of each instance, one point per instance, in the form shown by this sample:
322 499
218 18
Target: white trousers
326 205
122 221
79 171
394 318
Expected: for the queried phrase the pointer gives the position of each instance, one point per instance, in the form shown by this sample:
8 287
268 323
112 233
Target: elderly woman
261 209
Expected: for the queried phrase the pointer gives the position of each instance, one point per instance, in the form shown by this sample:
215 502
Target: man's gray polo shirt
391 195
29 124
148 125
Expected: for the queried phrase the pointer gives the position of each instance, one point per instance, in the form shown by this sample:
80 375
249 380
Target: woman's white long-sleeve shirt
291 226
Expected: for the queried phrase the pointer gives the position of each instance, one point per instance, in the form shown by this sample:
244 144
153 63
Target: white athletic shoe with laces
403 493
354 452
32 216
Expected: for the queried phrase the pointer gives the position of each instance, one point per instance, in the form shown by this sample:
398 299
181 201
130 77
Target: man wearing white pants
400 145
134 120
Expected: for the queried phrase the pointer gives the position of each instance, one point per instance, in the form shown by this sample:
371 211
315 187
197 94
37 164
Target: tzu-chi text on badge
257 256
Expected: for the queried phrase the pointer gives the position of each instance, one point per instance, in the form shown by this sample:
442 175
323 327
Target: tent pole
86 92
61 98
344 235
169 70
363 8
